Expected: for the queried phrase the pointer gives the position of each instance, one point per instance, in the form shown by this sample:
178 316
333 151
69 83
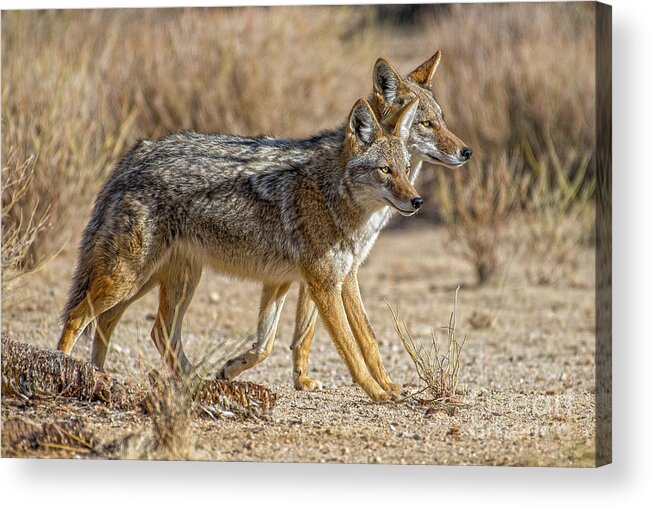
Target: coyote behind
301 213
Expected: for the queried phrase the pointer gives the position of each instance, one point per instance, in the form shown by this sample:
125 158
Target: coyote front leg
361 326
306 317
271 305
331 308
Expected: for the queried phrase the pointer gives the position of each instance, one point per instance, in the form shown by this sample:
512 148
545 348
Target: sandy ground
529 376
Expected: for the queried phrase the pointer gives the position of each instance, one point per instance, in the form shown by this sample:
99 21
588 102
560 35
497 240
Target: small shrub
438 365
476 203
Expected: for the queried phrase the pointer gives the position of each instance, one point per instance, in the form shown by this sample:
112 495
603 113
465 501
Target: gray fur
235 203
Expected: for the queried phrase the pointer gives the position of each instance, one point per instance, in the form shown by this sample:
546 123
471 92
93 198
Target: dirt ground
529 375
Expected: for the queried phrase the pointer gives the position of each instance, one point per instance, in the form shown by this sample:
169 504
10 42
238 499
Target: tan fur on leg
364 335
107 322
306 317
331 308
178 281
271 305
104 293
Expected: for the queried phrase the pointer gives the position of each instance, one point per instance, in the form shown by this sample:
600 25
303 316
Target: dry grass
23 221
109 77
170 405
559 215
514 72
437 365
510 73
476 204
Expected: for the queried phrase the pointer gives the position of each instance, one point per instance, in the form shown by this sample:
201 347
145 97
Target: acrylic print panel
194 310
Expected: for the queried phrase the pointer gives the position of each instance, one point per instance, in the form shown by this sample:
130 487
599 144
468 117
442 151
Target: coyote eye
385 170
426 123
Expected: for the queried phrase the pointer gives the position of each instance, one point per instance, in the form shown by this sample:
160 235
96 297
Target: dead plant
476 204
438 364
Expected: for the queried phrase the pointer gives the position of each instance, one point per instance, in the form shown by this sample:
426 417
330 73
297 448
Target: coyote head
429 140
377 161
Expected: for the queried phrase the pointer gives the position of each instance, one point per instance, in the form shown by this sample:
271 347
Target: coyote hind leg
107 322
306 317
271 305
104 293
178 281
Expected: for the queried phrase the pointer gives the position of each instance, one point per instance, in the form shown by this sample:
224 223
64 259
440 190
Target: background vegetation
516 82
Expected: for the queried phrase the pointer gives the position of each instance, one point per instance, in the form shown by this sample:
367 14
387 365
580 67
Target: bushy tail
84 270
79 288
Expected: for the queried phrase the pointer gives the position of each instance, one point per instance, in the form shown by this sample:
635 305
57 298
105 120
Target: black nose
466 152
417 202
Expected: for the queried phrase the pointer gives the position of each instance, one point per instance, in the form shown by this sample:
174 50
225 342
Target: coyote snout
403 196
440 146
430 139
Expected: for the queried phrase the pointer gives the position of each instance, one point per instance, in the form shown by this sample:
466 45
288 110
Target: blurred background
516 82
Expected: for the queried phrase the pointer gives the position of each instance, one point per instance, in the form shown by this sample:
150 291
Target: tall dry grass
78 87
520 89
514 73
23 219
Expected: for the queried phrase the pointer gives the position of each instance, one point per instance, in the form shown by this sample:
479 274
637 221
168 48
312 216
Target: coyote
189 200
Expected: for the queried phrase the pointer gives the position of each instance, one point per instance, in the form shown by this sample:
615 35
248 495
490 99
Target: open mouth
437 160
401 211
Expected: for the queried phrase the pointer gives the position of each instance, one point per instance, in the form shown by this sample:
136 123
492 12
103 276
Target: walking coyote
293 211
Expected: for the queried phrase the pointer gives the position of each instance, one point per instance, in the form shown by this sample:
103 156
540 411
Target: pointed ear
362 123
405 120
425 72
386 82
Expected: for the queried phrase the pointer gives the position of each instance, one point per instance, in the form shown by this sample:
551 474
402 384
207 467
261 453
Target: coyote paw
380 396
305 383
396 391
